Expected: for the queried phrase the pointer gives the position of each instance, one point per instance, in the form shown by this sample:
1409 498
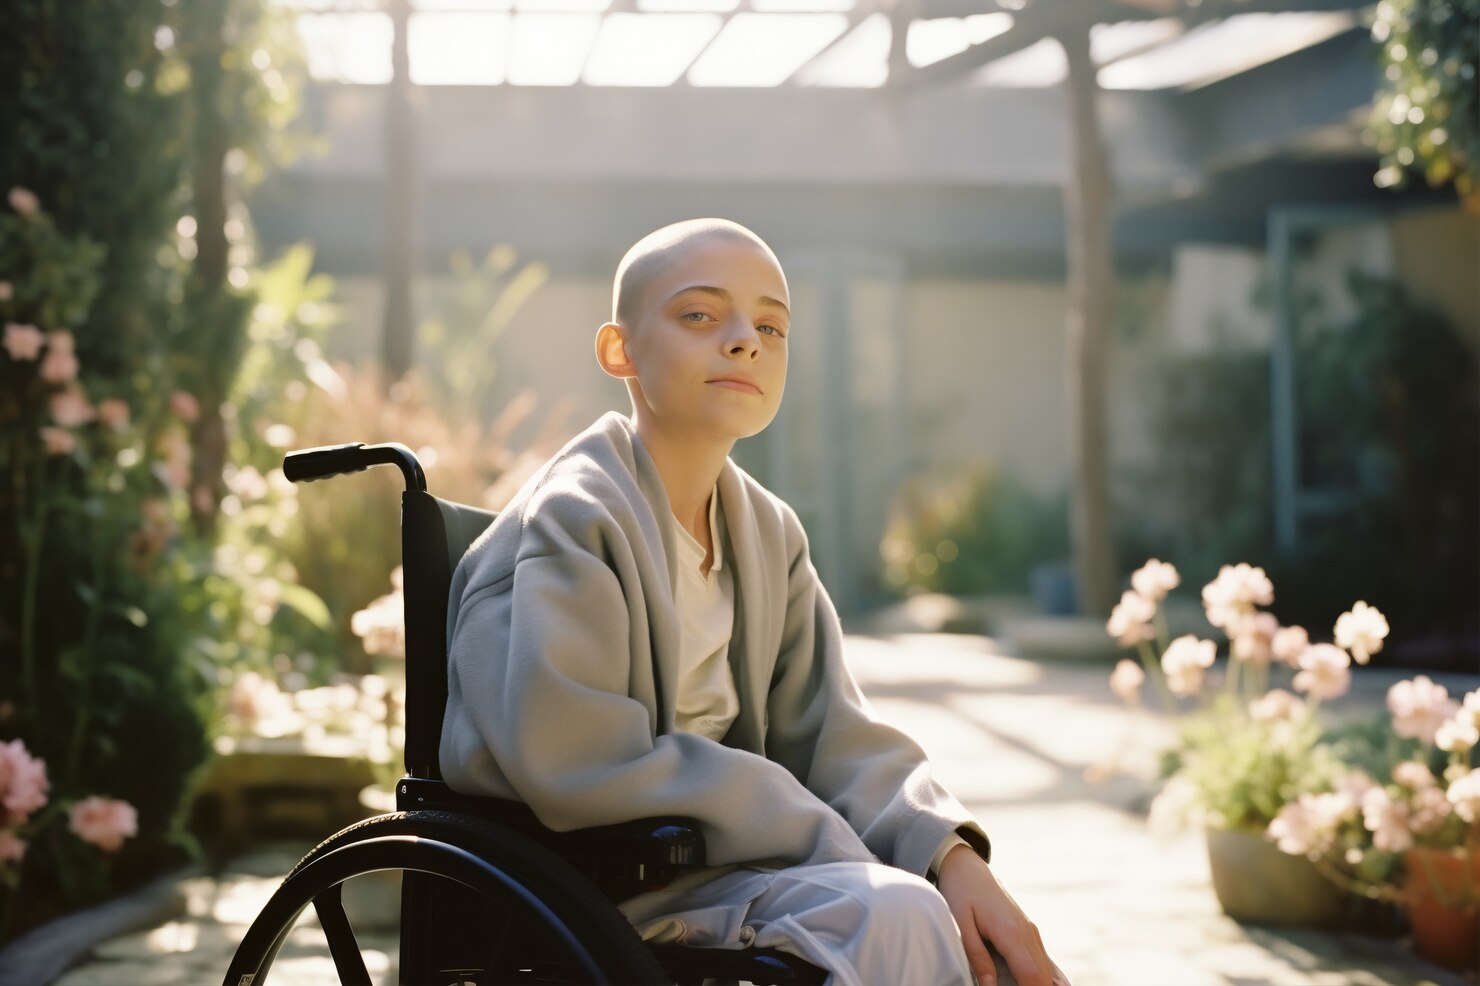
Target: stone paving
1012 739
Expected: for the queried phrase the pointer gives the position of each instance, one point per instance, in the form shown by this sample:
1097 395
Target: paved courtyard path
1013 740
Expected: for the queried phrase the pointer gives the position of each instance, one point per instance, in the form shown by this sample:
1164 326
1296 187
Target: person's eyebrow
724 295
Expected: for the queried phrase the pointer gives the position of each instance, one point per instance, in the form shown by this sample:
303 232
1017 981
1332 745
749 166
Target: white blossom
1289 643
1361 631
1155 579
1130 621
1325 671
1126 680
1419 707
1184 662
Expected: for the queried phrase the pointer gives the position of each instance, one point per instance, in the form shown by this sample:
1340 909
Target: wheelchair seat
488 893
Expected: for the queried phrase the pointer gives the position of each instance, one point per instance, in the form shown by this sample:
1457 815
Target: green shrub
971 532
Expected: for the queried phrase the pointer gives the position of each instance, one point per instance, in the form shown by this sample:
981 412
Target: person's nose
743 341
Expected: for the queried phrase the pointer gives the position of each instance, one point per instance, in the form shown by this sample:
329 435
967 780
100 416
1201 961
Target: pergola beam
1049 18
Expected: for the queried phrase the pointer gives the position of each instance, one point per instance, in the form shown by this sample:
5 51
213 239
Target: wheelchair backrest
434 535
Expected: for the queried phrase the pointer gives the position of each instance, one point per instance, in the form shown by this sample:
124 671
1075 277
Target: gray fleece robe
563 664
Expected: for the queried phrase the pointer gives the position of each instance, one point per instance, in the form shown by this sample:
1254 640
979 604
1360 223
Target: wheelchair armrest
653 845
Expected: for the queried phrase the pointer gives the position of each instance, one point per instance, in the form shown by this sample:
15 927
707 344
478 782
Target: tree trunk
1087 252
400 190
207 44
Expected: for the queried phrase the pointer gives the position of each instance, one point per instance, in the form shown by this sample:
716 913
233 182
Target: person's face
708 340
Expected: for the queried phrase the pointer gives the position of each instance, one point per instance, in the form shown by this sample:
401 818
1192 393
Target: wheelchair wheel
480 904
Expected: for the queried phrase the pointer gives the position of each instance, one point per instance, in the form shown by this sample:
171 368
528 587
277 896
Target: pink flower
1419 707
1414 775
1325 671
60 364
1361 631
1464 794
1130 621
1309 825
1235 592
1387 820
23 783
1253 637
1184 662
113 413
24 201
1456 735
174 465
1289 643
70 409
7 291
1430 810
58 441
1155 579
1126 680
1277 705
12 849
23 342
184 406
105 822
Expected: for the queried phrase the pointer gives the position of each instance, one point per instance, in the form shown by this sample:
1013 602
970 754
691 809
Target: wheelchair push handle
326 461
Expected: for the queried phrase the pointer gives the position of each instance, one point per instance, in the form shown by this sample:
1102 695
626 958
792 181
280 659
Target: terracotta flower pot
1257 883
1441 891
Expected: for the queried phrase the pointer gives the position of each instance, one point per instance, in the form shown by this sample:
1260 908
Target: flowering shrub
1419 787
970 532
1246 750
24 812
93 471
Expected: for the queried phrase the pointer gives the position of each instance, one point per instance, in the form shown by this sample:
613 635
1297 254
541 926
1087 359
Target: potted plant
1245 750
1414 837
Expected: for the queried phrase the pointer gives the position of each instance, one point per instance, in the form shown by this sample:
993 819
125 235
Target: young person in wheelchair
641 632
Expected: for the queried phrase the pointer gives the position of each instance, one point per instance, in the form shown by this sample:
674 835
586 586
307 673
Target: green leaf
307 604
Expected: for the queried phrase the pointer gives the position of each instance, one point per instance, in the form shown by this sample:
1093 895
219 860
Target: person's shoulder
592 476
772 516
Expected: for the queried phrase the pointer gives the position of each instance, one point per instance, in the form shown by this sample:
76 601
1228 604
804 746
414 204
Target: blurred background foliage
120 614
1426 118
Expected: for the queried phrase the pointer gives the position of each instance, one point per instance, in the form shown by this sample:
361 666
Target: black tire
598 945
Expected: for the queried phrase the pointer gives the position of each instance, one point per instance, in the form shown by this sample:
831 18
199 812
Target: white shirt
707 703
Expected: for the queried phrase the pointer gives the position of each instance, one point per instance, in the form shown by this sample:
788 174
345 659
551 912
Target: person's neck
689 466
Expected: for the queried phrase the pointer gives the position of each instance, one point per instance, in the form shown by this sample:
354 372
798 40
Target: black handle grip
307 465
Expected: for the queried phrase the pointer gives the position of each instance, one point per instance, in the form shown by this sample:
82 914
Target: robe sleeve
822 729
542 659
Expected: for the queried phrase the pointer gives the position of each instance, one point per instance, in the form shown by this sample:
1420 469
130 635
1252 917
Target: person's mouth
736 381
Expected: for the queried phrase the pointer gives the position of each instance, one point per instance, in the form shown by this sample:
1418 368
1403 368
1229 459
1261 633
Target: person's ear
611 352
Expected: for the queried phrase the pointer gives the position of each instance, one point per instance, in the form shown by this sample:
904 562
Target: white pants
867 924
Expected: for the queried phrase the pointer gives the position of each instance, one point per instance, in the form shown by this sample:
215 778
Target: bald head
652 254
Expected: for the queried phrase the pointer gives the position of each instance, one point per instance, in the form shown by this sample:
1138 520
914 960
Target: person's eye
771 329
696 317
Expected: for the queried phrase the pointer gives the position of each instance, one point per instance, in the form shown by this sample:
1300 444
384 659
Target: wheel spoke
342 944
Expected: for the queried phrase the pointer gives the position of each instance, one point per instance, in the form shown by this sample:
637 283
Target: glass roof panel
647 49
800 6
861 58
347 47
1112 42
1037 66
715 6
764 49
562 6
1223 48
550 49
941 37
458 49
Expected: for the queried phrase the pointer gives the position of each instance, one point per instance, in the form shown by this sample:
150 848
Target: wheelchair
488 894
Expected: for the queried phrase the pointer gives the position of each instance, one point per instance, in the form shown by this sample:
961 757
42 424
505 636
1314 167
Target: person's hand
983 910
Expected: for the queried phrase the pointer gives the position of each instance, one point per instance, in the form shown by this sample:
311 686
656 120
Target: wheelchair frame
488 894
